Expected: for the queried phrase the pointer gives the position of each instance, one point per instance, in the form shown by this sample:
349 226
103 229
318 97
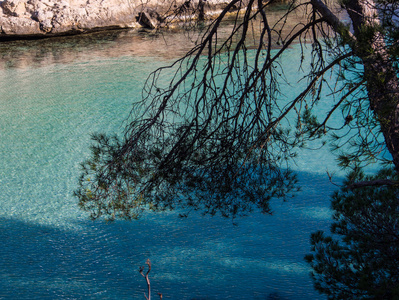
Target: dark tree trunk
382 81
379 73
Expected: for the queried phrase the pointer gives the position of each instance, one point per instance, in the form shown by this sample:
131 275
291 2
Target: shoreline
38 19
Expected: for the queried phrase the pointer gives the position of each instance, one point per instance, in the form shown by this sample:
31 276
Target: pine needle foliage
360 260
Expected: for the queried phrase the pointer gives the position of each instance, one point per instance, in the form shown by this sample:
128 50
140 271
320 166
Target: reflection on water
54 94
117 43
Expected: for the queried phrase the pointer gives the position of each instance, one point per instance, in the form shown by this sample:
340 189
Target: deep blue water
49 248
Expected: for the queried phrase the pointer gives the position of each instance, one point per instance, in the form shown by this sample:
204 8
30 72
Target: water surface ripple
50 250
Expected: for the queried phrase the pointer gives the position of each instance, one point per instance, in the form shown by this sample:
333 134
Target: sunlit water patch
50 250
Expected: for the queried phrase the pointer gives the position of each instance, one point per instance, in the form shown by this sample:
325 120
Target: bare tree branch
146 276
377 182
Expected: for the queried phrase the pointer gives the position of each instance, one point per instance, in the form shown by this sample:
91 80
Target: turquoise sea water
50 250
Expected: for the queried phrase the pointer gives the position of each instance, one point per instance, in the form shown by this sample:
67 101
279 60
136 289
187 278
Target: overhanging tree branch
219 135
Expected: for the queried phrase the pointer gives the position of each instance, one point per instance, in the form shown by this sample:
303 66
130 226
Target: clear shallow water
50 250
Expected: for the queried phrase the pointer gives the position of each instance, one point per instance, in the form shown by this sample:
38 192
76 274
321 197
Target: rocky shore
43 18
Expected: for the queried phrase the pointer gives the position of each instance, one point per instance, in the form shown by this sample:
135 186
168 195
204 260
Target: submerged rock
39 18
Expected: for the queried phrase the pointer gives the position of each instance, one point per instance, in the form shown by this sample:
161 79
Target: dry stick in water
148 280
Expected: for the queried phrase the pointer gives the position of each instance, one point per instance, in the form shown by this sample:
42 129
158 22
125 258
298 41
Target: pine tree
360 260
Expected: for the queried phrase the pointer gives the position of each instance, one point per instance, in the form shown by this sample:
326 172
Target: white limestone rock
55 17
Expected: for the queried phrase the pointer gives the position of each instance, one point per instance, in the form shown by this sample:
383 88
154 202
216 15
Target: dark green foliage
361 259
121 185
107 184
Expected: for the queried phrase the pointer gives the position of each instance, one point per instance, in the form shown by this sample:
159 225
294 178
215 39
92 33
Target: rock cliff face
30 18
